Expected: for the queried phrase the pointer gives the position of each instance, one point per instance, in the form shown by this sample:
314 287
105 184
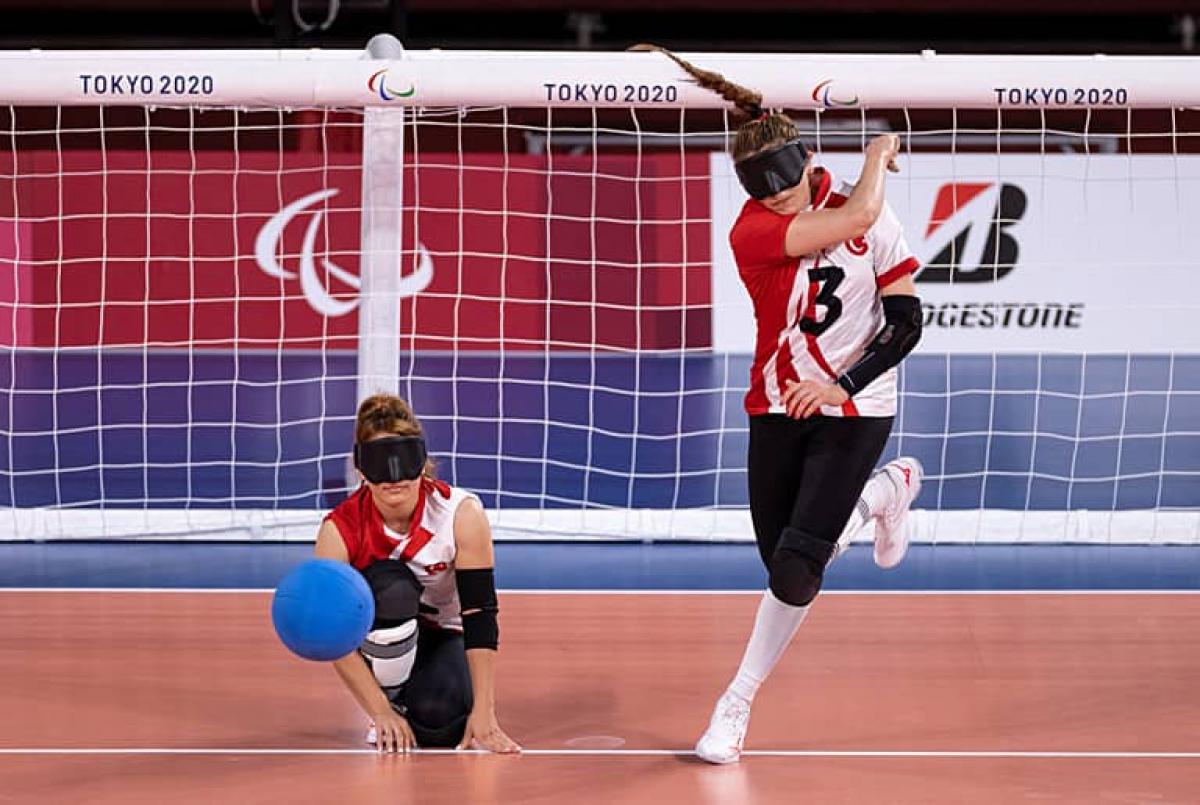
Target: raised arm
815 230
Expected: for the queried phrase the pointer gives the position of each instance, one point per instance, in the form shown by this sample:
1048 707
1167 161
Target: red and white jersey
816 314
428 548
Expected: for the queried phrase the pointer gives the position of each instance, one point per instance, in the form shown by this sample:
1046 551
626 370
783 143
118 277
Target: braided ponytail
761 130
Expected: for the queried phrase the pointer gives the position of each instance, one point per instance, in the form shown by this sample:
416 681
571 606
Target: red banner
212 250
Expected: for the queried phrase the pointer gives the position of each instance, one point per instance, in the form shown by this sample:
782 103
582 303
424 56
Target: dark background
951 26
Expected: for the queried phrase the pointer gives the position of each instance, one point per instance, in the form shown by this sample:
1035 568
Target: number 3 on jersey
828 278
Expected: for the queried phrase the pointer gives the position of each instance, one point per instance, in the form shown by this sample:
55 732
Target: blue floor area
623 566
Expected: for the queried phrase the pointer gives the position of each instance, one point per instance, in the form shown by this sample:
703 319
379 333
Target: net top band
292 78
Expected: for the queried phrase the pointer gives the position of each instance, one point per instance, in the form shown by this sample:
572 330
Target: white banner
1023 253
586 79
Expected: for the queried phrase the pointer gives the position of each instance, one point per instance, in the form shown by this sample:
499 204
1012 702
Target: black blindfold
395 458
774 170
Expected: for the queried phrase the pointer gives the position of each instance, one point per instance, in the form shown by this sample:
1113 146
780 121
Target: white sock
777 622
874 498
774 627
858 518
876 495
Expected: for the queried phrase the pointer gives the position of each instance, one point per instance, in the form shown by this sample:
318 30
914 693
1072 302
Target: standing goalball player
830 276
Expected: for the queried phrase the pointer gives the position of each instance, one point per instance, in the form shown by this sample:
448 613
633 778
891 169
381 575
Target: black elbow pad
901 332
477 597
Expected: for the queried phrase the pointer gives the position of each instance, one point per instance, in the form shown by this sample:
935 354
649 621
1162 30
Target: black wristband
481 630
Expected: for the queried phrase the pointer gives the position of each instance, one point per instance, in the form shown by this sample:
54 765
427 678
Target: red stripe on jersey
813 348
756 398
771 289
360 525
835 200
815 351
785 370
903 268
824 182
849 408
361 528
418 538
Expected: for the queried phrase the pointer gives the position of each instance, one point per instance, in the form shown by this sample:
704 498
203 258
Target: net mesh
180 296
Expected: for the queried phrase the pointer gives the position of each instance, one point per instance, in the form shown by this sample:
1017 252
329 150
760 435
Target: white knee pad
391 652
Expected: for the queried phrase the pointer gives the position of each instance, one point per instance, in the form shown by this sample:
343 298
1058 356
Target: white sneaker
722 742
891 536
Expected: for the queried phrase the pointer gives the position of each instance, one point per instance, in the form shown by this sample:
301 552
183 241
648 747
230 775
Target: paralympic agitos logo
823 94
378 84
312 282
968 235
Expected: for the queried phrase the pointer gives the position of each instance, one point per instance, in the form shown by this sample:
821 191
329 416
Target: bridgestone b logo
998 255
970 235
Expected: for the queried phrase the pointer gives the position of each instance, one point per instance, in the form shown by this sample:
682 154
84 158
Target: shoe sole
719 761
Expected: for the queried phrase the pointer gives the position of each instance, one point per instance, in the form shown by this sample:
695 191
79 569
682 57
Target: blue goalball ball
323 609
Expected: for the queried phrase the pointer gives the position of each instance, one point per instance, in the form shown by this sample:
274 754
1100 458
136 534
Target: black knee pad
798 566
397 592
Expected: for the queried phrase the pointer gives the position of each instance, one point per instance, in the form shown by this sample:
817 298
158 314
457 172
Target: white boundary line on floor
821 753
264 590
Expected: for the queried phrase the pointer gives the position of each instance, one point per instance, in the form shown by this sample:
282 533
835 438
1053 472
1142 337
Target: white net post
379 280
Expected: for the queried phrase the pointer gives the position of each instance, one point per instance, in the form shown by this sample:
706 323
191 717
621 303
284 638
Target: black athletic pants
437 698
808 473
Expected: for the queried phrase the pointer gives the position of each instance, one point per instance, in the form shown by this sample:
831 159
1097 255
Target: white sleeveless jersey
429 552
816 314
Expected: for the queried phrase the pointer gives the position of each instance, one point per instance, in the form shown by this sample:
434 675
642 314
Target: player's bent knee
390 648
433 714
798 566
794 581
391 653
448 734
396 591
